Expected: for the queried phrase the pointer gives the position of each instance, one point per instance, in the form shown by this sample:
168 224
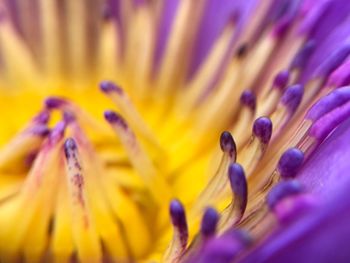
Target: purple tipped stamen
290 162
57 132
249 99
69 147
40 130
178 219
281 79
228 144
54 102
282 190
292 97
109 86
114 118
43 117
239 185
177 214
262 129
209 222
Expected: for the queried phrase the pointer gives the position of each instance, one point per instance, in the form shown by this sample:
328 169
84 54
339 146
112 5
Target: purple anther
249 99
282 190
108 86
328 103
262 128
69 147
291 98
54 102
228 144
43 117
209 222
40 130
281 79
115 118
178 219
290 162
57 132
239 185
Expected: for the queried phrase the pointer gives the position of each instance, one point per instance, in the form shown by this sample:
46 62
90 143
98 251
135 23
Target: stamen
84 232
14 156
234 212
55 102
281 80
209 223
269 98
121 237
157 185
120 98
38 187
245 117
228 145
216 187
180 236
248 98
287 107
282 190
290 162
262 129
255 149
292 97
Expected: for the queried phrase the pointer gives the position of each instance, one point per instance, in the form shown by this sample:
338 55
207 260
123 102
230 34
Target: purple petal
321 235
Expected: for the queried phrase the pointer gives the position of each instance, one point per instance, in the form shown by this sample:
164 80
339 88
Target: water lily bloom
174 131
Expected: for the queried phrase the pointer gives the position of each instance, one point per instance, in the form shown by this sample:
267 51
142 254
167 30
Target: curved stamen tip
54 102
177 214
281 79
248 98
42 118
114 118
209 222
238 184
69 146
282 190
40 130
262 129
57 132
227 143
292 97
290 162
108 86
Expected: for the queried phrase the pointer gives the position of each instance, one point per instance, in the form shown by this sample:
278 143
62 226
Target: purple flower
218 133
